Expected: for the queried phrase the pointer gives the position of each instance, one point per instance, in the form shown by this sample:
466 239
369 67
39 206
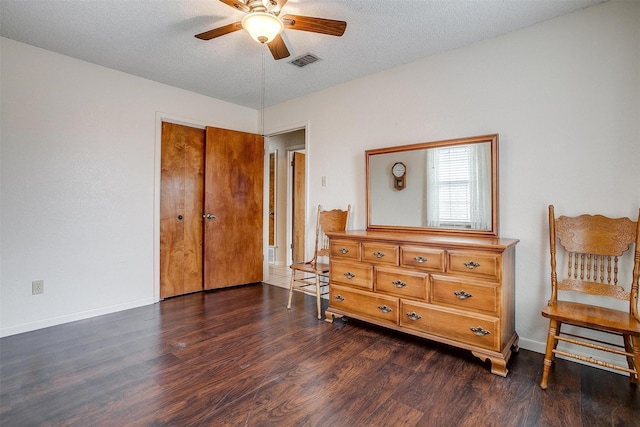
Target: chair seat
594 317
307 267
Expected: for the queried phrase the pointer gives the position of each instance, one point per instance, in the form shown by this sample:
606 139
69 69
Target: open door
273 165
298 200
233 208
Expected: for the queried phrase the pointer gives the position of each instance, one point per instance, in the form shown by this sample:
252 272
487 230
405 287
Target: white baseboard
540 347
537 346
53 321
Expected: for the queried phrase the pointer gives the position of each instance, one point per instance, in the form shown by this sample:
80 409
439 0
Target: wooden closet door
233 235
181 206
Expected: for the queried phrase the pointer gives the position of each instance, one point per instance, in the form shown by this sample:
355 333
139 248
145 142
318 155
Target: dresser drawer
464 294
402 283
477 330
482 264
420 257
345 249
379 307
380 253
351 273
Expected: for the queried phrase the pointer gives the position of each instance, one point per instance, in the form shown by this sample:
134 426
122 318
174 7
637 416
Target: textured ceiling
155 39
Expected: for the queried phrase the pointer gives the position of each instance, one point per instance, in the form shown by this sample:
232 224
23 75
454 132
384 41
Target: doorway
283 145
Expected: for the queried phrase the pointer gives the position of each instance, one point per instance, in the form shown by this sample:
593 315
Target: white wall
564 96
78 147
385 199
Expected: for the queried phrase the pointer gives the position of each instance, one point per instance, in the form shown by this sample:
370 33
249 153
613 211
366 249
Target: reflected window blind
454 185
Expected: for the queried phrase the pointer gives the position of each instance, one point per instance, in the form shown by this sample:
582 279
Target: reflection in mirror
447 186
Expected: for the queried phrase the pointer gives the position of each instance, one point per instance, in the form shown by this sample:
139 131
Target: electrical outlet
37 287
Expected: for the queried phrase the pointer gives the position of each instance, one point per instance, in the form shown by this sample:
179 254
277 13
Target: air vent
304 60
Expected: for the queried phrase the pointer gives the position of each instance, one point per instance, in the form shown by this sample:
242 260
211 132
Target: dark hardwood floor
237 357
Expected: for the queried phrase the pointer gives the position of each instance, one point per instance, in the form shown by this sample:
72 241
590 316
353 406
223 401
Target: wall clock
399 172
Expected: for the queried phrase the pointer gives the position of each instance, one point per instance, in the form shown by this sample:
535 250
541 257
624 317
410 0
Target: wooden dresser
455 290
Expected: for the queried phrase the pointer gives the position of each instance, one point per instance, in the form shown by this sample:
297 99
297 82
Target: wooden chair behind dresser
310 277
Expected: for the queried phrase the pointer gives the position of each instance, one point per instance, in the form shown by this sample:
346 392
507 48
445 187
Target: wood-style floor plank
238 357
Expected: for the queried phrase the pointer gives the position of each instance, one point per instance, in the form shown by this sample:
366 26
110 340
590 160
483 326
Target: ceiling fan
263 22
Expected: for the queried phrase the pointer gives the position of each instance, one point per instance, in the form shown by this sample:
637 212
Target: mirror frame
495 214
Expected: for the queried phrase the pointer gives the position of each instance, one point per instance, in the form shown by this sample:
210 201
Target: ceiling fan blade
278 48
236 4
315 25
221 31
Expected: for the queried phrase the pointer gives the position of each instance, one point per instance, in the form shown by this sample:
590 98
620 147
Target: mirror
442 186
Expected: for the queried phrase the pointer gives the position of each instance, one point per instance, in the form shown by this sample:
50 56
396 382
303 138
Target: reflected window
458 186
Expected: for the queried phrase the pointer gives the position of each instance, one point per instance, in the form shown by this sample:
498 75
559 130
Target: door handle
209 216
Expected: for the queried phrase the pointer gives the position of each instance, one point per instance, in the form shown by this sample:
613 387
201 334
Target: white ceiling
155 39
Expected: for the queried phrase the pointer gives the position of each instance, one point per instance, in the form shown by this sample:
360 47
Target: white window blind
459 186
453 186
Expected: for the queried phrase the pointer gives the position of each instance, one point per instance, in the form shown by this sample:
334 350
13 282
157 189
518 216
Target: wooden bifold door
211 209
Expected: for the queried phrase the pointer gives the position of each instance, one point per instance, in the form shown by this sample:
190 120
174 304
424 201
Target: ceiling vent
304 60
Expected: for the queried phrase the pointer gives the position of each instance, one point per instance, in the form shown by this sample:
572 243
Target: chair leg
293 276
318 304
628 347
554 326
635 344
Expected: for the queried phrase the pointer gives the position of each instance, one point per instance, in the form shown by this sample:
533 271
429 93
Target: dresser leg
328 316
515 347
498 364
499 367
499 360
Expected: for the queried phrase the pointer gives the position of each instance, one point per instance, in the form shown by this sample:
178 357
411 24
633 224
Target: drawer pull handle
399 284
339 298
385 309
462 294
479 331
471 265
414 316
420 259
378 254
344 251
349 275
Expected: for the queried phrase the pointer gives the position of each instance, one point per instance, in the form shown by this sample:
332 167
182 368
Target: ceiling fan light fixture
262 27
